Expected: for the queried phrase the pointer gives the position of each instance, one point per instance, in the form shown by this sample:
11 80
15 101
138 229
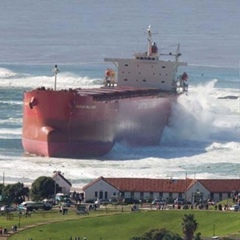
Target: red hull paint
87 123
66 149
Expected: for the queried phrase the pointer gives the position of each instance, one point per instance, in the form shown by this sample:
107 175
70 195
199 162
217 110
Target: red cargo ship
133 106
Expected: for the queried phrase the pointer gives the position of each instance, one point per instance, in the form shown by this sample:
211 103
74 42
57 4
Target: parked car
8 208
180 201
130 201
158 202
30 206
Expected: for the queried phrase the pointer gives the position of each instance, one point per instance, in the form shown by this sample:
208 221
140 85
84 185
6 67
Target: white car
8 208
235 208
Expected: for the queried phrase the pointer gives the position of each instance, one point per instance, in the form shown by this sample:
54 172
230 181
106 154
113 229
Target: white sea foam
5 73
65 80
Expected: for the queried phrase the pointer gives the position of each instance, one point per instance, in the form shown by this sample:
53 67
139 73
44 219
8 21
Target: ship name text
90 107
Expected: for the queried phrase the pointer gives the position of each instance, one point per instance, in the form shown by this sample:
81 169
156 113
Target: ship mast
55 71
149 32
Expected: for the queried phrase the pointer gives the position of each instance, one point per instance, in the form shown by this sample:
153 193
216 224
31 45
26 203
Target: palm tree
189 226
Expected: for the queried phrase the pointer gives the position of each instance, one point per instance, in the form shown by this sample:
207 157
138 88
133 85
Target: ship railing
131 94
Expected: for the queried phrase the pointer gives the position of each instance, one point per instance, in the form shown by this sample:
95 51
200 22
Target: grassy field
119 223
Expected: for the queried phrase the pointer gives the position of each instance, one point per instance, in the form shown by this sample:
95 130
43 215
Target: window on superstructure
162 81
125 79
163 66
126 65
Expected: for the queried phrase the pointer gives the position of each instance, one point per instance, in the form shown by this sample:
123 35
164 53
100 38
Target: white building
62 182
193 190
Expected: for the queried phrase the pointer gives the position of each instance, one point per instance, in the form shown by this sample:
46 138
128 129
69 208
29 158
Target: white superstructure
146 70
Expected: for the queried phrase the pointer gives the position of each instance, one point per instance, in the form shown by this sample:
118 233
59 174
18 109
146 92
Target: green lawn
118 225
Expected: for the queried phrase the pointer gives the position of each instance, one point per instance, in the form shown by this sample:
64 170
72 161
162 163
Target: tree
158 234
15 193
189 226
42 187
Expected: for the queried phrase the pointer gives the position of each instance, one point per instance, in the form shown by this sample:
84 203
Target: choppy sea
203 136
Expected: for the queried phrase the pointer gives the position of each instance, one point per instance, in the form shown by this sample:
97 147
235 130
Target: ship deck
112 93
104 93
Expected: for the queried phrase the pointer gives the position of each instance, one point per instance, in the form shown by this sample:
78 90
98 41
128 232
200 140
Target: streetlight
55 71
19 220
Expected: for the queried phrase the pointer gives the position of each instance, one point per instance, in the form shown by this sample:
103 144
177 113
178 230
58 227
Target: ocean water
203 136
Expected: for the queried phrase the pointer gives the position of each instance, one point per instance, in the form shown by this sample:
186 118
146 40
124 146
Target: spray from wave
202 117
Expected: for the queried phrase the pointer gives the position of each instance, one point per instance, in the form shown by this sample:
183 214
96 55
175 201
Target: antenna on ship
55 71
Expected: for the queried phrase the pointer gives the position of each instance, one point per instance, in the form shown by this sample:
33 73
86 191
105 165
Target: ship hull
78 124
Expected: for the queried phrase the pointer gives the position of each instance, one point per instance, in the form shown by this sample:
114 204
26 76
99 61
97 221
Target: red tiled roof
168 185
149 184
221 185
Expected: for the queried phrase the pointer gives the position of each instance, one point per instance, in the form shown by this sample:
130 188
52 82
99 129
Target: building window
220 196
101 194
160 195
106 195
141 195
96 194
212 196
151 195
